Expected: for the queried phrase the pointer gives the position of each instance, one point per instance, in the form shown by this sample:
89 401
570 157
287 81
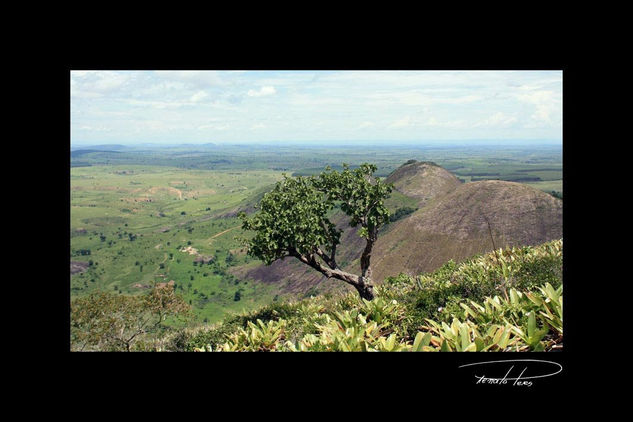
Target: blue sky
171 107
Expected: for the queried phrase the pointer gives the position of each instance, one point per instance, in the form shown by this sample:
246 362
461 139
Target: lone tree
292 221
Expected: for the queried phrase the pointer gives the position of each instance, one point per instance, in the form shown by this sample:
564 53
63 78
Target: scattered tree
229 258
401 213
556 194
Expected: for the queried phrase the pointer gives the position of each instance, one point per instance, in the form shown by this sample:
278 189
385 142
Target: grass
135 222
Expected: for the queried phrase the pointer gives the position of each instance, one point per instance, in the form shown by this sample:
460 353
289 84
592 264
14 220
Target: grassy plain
504 162
136 221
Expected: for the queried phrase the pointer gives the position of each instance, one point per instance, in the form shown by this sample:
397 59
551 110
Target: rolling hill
468 221
454 220
422 181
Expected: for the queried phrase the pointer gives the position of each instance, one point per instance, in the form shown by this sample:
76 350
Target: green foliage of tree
104 321
293 221
229 258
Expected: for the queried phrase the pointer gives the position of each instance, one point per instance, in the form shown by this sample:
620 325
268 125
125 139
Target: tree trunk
362 284
364 287
366 291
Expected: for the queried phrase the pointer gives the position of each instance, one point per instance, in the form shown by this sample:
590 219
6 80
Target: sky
174 107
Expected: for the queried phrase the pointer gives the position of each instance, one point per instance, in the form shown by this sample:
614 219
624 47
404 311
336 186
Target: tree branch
365 259
349 278
331 261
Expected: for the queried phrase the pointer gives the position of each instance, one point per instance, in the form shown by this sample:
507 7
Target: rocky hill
454 221
467 221
423 180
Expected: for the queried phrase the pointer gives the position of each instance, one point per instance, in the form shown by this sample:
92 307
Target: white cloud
448 124
398 104
95 128
547 106
158 104
497 119
263 91
108 81
198 96
93 84
412 98
199 78
404 122
214 126
431 121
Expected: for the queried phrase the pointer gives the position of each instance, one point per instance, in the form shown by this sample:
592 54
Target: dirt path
155 189
159 269
221 233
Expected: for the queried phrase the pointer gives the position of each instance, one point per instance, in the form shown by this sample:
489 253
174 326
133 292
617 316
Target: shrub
116 322
401 213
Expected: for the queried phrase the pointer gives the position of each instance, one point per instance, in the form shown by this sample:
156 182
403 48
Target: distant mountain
454 221
80 152
103 147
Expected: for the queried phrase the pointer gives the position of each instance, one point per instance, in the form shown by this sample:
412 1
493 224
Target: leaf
531 324
503 341
391 341
464 336
455 327
468 310
472 347
479 343
514 298
421 340
534 299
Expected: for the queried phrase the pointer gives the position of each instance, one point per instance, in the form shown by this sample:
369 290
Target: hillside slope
451 223
455 226
423 181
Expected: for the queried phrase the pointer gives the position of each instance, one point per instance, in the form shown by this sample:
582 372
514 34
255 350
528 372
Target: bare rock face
78 267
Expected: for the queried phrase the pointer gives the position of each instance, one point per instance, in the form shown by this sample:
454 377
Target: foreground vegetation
507 300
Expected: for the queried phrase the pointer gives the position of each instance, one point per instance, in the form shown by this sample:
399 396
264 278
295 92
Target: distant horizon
346 142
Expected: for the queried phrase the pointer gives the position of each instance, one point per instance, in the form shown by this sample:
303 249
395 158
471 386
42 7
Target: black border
432 371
